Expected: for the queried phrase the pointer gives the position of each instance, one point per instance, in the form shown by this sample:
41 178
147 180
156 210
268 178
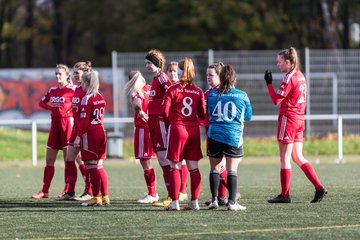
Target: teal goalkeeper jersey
227 115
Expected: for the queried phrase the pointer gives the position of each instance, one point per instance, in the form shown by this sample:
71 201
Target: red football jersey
184 104
92 111
78 95
144 105
159 85
58 101
293 90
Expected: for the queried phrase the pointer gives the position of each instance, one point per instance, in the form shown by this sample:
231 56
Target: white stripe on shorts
141 142
282 127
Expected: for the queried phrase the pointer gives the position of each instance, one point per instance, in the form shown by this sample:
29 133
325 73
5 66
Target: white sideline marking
205 233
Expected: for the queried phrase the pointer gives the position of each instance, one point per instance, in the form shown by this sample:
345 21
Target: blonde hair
172 65
67 70
92 79
291 55
83 66
135 84
188 68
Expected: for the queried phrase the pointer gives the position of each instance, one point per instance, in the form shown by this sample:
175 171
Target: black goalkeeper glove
268 77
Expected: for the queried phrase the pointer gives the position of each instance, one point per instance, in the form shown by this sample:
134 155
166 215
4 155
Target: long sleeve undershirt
275 98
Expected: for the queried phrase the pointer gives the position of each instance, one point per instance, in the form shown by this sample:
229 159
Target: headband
154 60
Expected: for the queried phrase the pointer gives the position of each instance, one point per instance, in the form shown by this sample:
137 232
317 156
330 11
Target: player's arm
84 118
275 98
166 108
248 108
202 107
44 102
137 105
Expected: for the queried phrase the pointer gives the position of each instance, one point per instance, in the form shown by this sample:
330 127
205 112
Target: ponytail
291 55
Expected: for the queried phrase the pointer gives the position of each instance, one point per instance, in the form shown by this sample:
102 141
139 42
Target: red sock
70 176
166 176
88 183
175 182
184 173
222 192
285 179
66 187
149 175
311 175
49 172
82 169
95 181
104 181
195 177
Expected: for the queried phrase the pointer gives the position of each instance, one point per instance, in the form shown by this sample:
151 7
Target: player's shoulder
174 86
54 88
163 78
70 87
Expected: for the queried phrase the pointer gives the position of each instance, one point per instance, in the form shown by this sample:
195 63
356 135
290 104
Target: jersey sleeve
44 101
166 107
275 98
202 107
248 108
164 81
85 111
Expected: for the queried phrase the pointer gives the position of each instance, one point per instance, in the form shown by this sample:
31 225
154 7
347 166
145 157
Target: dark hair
291 55
217 67
227 78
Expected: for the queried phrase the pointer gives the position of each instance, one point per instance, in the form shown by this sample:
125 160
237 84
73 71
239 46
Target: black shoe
280 199
221 202
319 194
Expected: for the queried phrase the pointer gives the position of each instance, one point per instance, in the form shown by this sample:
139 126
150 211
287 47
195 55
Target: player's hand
268 77
143 116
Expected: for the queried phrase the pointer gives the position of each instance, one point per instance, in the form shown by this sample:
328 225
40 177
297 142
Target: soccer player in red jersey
91 138
183 104
173 72
73 154
292 99
139 97
58 101
154 63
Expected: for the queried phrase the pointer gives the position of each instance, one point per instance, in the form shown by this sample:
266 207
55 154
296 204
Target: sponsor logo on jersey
75 100
57 99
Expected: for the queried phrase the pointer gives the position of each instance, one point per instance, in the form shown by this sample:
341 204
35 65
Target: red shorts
60 132
290 130
157 132
142 144
184 143
93 145
73 136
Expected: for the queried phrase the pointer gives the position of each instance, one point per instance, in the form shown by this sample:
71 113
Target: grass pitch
336 217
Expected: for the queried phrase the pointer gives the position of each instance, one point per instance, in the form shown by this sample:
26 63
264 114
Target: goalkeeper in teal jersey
228 108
